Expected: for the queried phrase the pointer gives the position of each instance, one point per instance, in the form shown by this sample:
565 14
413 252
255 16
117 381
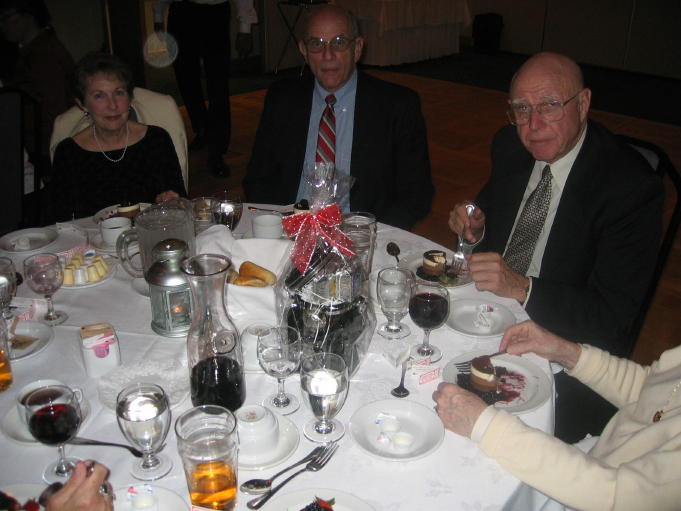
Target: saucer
166 500
15 429
43 332
286 446
103 248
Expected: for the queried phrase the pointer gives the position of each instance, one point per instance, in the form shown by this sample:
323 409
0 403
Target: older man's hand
81 491
457 408
530 337
471 227
490 272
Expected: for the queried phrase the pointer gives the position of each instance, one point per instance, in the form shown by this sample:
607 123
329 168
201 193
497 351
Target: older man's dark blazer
604 240
390 161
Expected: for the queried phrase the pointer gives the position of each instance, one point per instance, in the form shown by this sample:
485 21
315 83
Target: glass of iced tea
208 444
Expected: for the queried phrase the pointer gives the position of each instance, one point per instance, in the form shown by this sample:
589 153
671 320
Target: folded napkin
28 309
217 239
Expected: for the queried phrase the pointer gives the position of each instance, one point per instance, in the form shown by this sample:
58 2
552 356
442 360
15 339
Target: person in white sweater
634 465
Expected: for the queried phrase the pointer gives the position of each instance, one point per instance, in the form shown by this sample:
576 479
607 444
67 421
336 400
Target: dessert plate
112 210
527 378
24 492
25 241
418 423
464 317
300 499
44 333
166 500
16 429
414 263
286 446
110 272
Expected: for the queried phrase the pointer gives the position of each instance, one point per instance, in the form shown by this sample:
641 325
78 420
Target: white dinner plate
414 263
37 238
24 492
463 318
140 286
286 446
98 243
43 332
112 210
528 379
16 429
414 419
110 272
166 500
299 499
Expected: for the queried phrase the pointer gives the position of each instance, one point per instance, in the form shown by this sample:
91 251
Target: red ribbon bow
307 227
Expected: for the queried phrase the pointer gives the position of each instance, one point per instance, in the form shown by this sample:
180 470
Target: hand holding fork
459 262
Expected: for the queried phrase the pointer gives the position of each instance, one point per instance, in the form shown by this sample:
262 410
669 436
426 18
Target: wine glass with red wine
428 308
53 417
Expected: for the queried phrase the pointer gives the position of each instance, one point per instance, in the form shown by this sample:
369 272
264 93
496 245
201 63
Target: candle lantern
171 306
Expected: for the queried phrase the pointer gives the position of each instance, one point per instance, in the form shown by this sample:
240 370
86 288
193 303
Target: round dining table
453 474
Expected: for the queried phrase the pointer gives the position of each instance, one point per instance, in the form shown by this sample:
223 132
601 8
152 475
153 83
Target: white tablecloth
456 476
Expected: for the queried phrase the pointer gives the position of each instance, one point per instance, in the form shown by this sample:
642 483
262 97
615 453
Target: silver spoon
258 486
86 441
401 390
393 250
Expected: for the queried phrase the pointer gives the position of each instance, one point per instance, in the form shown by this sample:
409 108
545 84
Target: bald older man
568 224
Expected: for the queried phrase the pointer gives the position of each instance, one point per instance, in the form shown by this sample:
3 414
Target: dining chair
148 107
663 167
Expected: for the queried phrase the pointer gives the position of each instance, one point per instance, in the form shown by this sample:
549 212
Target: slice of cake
434 262
483 376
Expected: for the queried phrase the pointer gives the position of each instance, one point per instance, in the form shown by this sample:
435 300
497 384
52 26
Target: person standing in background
202 31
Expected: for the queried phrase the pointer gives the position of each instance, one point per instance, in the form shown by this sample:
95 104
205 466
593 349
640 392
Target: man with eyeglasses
370 129
568 224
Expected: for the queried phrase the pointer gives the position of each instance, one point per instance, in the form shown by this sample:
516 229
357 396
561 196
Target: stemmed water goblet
428 308
45 275
279 351
143 414
227 210
8 286
394 289
324 381
53 416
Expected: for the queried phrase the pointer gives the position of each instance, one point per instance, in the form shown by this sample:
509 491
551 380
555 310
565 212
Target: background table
456 476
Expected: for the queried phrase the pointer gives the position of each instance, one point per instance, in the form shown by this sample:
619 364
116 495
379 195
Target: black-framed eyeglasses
338 43
551 111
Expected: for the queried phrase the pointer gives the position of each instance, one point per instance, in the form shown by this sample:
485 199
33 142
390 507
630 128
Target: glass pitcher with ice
170 219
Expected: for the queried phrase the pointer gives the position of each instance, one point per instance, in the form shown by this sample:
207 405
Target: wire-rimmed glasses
338 43
45 275
550 110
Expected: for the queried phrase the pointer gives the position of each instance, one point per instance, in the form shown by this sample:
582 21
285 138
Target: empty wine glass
143 414
279 350
428 308
53 416
227 210
324 382
8 286
394 288
45 276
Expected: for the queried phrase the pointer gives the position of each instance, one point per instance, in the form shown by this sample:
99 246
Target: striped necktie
530 224
326 139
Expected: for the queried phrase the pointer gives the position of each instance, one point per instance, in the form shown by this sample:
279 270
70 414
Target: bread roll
231 276
249 269
242 280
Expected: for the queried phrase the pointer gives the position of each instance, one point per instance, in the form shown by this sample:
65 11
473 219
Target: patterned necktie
530 224
326 140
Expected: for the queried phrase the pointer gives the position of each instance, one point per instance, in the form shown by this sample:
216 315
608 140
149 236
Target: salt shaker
100 348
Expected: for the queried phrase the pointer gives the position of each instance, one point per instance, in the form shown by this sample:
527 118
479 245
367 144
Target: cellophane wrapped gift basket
323 292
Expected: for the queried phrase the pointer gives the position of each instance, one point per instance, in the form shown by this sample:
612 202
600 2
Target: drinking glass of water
394 289
279 350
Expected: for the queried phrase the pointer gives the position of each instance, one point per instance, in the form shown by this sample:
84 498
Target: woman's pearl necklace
658 414
101 150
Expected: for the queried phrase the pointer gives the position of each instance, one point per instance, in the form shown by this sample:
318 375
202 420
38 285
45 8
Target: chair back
663 167
150 108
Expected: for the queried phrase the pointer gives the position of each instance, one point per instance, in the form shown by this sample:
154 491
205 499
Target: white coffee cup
27 389
258 430
111 229
267 226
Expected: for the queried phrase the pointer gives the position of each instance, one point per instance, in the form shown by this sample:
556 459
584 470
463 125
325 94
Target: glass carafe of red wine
213 347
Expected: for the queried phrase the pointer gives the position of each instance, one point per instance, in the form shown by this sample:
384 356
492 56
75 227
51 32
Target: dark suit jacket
389 150
603 243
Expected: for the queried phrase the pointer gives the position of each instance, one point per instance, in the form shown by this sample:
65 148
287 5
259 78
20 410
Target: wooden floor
461 122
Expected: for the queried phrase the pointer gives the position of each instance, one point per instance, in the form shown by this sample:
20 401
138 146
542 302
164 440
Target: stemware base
50 474
385 331
422 351
151 474
57 318
292 406
336 433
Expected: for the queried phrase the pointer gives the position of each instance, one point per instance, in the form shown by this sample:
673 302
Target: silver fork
465 367
316 464
459 258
